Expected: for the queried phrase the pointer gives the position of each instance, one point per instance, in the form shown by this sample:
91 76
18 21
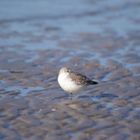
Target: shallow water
97 38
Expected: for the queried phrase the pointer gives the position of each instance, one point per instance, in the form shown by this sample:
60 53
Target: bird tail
91 82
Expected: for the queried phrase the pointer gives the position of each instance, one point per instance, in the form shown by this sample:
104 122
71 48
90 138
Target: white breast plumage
67 84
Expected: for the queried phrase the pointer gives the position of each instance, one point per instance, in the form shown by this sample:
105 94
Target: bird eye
68 70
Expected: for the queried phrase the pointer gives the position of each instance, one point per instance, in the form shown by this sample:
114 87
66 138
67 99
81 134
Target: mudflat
100 39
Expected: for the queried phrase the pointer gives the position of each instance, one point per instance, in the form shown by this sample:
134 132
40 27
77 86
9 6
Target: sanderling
73 82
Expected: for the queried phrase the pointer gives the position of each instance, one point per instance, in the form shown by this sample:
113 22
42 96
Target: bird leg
71 96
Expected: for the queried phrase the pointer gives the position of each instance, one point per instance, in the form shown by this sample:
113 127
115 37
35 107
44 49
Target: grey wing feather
79 78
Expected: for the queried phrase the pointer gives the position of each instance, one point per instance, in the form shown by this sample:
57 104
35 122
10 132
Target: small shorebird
73 82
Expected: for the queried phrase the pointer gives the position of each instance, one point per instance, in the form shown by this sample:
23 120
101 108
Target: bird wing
79 78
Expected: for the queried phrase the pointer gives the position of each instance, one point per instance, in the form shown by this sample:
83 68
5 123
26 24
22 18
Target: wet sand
99 39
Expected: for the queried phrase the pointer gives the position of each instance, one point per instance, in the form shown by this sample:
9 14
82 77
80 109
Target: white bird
73 82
